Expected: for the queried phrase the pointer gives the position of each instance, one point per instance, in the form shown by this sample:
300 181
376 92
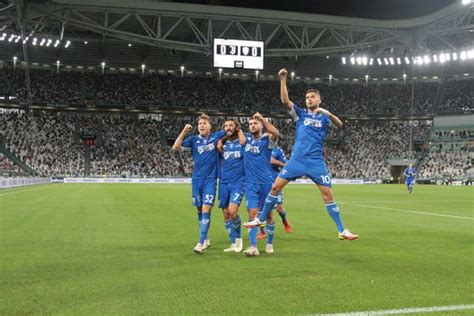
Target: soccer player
306 159
410 173
204 178
278 161
258 177
231 183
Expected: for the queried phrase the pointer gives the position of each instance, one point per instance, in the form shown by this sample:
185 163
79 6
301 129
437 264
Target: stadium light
466 2
14 61
34 41
343 59
17 39
455 56
292 75
470 54
86 42
379 61
42 41
426 59
26 40
371 61
407 60
392 62
364 60
359 60
67 44
399 61
442 58
48 42
57 43
385 60
352 60
447 56
129 44
435 58
463 55
11 38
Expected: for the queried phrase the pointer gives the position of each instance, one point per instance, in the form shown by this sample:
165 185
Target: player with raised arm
204 179
278 161
312 126
409 174
258 177
231 182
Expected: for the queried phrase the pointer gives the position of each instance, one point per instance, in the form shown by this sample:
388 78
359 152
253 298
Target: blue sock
205 222
271 232
253 235
268 206
283 216
199 218
333 211
229 230
236 228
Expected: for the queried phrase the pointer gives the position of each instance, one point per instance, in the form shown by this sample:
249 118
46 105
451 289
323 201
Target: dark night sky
376 9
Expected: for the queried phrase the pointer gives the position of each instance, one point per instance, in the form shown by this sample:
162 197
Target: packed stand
44 142
459 96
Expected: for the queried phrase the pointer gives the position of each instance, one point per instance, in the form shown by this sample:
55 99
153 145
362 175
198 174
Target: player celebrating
307 156
204 179
231 183
278 161
410 173
258 177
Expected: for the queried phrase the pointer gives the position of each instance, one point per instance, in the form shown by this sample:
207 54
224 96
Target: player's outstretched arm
242 138
272 130
285 99
177 143
334 119
277 162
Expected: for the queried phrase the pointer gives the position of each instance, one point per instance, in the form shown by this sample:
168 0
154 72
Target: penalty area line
411 310
406 211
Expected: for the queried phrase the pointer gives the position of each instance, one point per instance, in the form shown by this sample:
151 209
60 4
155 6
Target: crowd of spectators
153 90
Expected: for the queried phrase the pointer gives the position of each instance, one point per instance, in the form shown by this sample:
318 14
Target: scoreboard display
238 54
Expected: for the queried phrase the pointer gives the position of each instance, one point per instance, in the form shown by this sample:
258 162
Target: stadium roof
167 35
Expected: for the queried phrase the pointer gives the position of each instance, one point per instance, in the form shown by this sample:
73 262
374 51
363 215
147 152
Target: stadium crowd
124 89
132 146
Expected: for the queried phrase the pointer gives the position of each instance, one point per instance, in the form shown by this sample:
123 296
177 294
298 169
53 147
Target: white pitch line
26 189
412 310
408 211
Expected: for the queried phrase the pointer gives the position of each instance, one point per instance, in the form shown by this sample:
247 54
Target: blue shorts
315 169
255 194
203 191
410 182
230 193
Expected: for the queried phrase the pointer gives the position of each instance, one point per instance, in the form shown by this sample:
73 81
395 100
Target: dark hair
237 123
312 90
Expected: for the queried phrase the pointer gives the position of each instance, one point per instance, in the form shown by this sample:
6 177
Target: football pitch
126 249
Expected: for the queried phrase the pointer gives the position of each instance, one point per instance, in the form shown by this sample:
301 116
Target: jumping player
312 126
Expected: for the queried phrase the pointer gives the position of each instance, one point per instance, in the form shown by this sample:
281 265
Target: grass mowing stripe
411 310
408 211
25 189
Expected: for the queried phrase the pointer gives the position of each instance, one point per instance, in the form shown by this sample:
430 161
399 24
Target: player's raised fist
283 73
188 127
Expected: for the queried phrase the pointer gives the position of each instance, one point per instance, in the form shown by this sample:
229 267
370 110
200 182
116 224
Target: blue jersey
278 154
311 131
232 162
257 155
410 172
205 155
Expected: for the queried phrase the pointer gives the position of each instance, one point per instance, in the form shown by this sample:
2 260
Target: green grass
127 249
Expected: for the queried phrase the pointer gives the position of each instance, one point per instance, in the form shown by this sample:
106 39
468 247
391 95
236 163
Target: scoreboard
238 54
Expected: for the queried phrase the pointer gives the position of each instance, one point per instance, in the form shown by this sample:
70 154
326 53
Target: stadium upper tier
209 93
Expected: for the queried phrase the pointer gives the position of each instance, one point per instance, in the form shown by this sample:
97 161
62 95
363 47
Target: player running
204 179
409 174
307 156
278 161
258 177
231 182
